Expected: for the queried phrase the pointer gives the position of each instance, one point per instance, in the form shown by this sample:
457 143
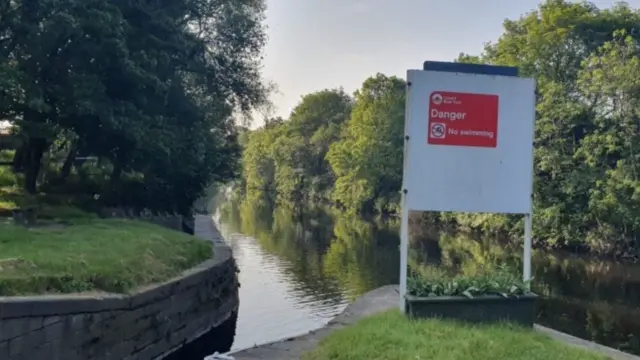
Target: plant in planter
482 298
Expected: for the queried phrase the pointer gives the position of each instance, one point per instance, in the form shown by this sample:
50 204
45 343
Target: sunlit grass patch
391 336
91 254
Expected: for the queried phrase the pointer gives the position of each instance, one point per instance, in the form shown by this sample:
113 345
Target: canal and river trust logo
444 98
436 99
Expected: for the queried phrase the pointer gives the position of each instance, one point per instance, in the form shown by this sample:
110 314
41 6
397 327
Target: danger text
449 115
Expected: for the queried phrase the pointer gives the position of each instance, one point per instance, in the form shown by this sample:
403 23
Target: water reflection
299 270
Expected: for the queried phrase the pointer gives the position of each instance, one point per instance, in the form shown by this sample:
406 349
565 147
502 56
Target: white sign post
468 147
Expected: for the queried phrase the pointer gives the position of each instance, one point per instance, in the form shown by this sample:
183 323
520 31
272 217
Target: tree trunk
68 162
116 173
20 157
35 150
118 166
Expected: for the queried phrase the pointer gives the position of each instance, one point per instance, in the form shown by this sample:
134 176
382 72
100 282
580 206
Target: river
298 271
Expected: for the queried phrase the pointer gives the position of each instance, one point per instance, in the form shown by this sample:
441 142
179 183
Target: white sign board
468 148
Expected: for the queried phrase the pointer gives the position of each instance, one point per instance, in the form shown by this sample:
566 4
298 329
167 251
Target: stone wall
149 324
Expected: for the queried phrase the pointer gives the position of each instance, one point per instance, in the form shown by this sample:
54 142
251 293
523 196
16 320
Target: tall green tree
367 159
151 88
285 161
565 45
317 121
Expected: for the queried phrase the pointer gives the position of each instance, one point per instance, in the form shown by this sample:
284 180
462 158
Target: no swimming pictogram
438 130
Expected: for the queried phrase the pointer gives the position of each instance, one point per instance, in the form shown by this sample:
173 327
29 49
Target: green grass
391 336
92 254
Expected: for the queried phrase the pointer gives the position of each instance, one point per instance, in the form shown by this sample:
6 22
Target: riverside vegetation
112 104
346 151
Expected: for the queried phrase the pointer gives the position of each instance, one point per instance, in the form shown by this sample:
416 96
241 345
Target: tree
318 119
367 160
285 160
580 60
608 155
151 88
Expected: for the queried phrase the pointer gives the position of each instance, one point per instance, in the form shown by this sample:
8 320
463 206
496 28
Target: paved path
204 228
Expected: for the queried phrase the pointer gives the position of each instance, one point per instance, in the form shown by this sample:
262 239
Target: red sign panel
463 119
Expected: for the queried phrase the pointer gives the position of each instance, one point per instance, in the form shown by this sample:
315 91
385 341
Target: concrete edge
64 304
275 342
585 344
366 305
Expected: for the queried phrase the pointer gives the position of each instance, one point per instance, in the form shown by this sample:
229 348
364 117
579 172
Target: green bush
431 282
7 177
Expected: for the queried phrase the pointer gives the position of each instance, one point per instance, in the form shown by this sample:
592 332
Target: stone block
179 306
153 294
77 322
50 320
120 351
51 305
139 327
154 308
152 350
17 346
4 349
44 350
12 328
53 332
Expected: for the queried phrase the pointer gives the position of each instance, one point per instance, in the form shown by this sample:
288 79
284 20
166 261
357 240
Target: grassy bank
391 336
90 254
66 250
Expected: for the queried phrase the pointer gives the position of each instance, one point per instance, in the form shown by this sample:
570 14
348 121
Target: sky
320 44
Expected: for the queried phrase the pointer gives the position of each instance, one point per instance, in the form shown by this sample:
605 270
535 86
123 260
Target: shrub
432 282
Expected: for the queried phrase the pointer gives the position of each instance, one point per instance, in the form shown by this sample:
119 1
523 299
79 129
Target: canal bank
151 322
378 300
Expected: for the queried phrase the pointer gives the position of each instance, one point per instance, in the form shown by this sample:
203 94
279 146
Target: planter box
482 309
